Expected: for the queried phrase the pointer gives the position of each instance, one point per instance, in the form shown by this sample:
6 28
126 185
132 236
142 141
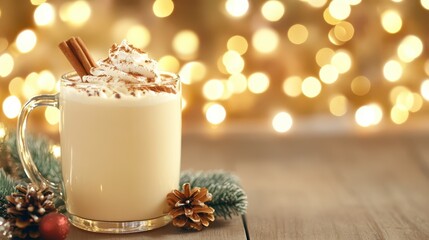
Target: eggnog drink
120 138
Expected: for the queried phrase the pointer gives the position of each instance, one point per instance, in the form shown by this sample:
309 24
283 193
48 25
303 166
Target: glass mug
120 155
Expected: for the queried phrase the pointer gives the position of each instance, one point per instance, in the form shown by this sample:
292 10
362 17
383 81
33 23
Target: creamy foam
127 71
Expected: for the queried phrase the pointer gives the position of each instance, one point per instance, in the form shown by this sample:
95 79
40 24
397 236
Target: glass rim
66 79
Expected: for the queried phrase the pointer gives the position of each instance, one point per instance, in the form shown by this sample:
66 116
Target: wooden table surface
346 186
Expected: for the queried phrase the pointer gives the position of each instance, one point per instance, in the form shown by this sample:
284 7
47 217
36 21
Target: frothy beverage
120 138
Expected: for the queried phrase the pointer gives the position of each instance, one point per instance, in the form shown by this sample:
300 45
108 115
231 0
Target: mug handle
24 154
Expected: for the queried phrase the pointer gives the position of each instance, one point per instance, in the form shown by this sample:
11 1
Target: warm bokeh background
358 64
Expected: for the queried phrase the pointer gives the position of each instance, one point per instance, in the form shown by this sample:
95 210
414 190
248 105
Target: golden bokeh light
344 31
215 113
391 21
258 82
392 70
394 93
398 115
6 63
292 86
237 43
410 48
37 2
26 41
265 40
354 2
338 105
360 85
324 56
44 15
186 44
328 74
52 115
282 122
424 89
297 34
237 8
169 63
139 36
31 88
317 3
2 131
46 81
311 87
213 89
339 9
192 72
342 61
233 62
163 8
329 18
75 13
273 10
11 107
425 4
15 86
405 100
238 83
417 103
56 151
369 115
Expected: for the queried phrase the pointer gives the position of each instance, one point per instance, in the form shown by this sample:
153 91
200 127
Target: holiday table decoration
203 195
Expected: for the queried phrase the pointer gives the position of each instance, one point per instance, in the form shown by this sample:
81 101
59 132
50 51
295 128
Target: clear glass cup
120 153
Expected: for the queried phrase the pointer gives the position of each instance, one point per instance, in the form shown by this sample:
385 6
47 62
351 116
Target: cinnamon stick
78 55
80 70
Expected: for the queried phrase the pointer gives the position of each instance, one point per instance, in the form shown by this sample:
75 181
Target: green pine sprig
40 150
7 187
228 197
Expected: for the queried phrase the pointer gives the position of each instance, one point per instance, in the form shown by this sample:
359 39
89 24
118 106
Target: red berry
54 226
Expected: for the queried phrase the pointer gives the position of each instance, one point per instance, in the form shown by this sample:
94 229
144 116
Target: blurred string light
258 82
163 8
273 10
26 41
282 122
425 4
215 113
392 71
324 56
292 86
52 115
316 3
410 48
311 87
369 115
2 131
75 13
169 63
138 35
56 151
339 9
238 83
192 72
37 2
237 43
6 63
391 21
297 34
265 40
424 89
328 74
360 85
237 8
233 62
186 44
11 107
44 15
342 61
338 105
15 86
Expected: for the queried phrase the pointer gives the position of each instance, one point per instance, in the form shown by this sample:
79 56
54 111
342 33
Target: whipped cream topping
126 71
125 63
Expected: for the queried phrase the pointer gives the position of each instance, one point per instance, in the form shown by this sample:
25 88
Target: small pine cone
188 208
26 208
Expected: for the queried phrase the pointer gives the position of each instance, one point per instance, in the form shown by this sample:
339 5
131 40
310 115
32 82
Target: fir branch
40 150
7 187
228 197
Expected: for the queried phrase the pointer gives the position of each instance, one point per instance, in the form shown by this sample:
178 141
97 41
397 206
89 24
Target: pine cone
26 209
188 208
